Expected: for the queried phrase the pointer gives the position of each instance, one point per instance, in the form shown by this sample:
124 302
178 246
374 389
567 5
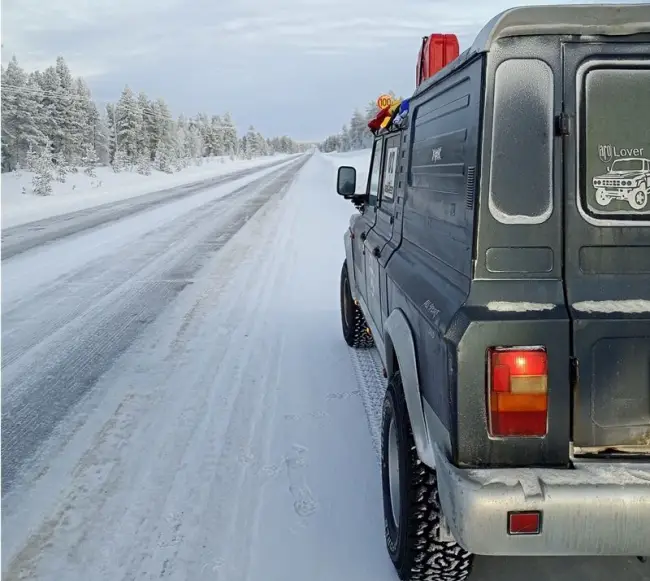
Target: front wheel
412 513
355 329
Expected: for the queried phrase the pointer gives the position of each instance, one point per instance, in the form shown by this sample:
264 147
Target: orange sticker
384 101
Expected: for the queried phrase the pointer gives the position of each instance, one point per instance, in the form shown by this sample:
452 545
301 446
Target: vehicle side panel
429 274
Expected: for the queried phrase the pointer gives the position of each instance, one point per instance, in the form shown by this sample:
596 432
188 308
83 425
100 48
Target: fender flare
350 263
399 340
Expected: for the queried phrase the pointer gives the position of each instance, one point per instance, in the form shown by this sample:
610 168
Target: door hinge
562 124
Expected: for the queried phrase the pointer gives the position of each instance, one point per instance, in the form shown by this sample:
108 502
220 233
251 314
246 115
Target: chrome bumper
595 509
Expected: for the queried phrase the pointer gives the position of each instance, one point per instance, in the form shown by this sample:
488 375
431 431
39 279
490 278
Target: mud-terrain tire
411 541
355 328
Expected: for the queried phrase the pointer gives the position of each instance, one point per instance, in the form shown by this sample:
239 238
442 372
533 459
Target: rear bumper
596 509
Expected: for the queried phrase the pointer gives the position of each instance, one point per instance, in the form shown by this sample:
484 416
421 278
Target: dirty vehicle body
510 306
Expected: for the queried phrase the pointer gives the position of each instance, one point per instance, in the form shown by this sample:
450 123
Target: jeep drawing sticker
616 178
389 174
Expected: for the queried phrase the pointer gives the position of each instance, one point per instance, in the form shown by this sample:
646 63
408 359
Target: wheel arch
400 354
349 262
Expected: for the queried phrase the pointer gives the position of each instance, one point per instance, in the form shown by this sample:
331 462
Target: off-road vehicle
510 305
627 179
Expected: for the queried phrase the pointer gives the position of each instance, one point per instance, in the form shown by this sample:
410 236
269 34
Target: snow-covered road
24 236
179 404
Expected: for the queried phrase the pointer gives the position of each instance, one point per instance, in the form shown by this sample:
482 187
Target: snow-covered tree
230 141
51 115
144 164
41 164
217 136
129 125
22 116
89 159
102 139
121 161
165 157
148 138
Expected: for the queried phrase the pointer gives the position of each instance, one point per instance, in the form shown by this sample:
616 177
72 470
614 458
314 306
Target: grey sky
287 66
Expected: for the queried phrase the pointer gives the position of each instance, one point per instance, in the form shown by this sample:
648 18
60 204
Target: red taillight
517 391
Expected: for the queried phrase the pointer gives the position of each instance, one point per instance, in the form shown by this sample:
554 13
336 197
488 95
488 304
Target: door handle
376 252
363 236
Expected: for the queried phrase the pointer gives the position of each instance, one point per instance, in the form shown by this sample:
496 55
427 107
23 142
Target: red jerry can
437 51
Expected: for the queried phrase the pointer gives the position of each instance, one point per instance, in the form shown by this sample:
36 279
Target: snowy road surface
178 402
22 237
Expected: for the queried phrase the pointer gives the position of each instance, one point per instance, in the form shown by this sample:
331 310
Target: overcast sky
287 66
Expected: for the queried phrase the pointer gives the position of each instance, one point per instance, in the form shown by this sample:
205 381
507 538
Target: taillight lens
517 391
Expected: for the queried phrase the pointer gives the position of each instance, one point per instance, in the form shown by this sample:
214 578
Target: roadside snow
360 160
81 192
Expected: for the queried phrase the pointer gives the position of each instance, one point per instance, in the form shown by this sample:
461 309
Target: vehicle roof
583 19
579 19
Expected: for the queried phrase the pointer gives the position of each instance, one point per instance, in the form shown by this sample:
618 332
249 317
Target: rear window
521 162
615 143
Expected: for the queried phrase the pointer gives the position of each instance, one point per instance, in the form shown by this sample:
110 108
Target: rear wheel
412 514
355 329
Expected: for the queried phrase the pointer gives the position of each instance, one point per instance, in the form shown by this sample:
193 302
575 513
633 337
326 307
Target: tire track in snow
368 371
40 386
73 291
192 409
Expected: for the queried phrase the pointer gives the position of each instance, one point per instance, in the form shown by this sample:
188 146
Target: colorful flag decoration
375 124
393 115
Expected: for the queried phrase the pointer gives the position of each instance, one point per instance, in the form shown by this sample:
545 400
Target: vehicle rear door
607 240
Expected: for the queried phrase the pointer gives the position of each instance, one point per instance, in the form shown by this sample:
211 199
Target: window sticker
389 174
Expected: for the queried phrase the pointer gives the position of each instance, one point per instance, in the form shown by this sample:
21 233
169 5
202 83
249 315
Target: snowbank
81 192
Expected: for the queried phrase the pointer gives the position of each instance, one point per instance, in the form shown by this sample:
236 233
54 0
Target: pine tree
112 134
143 165
22 116
130 125
41 165
230 140
165 157
217 136
102 139
165 130
251 146
121 161
147 140
90 118
71 115
89 159
61 166
345 139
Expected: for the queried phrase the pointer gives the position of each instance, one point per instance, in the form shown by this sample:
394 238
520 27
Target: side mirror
346 181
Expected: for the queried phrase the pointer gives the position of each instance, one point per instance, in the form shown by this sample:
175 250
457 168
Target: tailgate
607 241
